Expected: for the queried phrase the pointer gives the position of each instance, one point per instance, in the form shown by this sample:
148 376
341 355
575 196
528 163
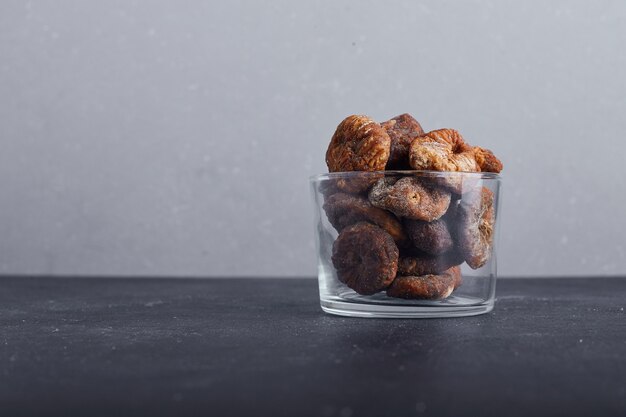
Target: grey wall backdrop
176 137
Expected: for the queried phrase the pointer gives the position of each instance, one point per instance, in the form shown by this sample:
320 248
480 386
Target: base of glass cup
428 309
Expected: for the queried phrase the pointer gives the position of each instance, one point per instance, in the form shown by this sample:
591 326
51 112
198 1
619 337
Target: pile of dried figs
407 232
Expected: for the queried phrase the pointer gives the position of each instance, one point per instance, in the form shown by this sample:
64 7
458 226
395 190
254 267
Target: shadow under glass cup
464 235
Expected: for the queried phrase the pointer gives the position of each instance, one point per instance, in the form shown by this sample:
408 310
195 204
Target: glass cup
406 243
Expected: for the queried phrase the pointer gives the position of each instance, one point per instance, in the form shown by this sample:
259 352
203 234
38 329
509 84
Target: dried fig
359 144
409 197
431 237
419 263
425 287
486 160
402 130
344 210
365 258
475 226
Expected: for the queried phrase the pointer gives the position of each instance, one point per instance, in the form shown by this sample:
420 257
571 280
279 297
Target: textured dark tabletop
257 347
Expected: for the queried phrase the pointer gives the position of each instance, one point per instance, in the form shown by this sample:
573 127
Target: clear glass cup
406 243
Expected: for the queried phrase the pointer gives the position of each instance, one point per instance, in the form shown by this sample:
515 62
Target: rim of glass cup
440 174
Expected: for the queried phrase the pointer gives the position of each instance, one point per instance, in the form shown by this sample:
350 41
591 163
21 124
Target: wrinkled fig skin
486 160
408 197
402 130
365 258
359 144
475 224
344 210
433 237
356 182
426 287
442 150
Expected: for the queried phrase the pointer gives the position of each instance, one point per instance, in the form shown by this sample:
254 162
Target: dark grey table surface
256 347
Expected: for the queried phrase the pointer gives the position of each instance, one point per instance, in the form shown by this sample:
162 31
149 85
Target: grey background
176 137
